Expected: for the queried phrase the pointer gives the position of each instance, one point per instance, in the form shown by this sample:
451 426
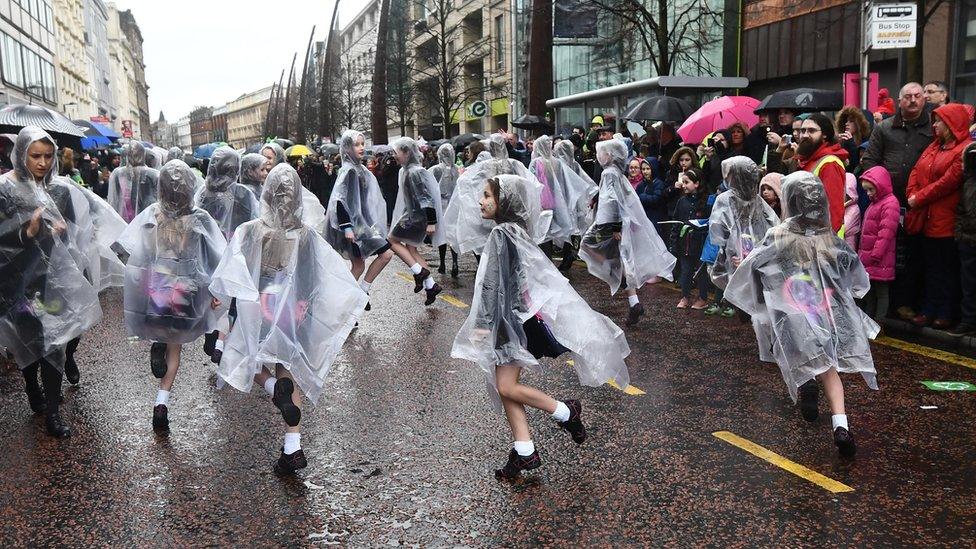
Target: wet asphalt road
403 444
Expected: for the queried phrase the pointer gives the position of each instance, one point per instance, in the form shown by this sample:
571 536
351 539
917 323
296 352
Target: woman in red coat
933 196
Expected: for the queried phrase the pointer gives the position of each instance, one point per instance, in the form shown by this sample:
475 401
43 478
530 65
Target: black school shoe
845 442
634 314
157 360
418 280
574 425
287 464
809 400
283 390
35 397
71 370
56 427
432 294
210 342
160 418
516 464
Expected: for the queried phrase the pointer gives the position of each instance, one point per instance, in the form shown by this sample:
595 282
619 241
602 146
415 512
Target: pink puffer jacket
852 214
879 228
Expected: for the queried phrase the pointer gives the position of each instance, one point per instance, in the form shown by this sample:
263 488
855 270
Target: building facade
183 134
219 125
201 126
123 77
76 97
130 29
163 133
27 53
100 67
357 55
245 118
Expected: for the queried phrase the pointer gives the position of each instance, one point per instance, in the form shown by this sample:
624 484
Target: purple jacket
879 228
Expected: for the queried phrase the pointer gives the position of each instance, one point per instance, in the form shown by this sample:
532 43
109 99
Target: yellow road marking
944 356
629 389
405 276
826 483
453 301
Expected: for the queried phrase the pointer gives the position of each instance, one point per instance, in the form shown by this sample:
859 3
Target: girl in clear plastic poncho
356 216
132 187
175 153
296 304
802 280
565 194
740 217
416 216
446 173
228 202
466 230
524 309
173 249
313 212
254 170
622 247
45 299
565 152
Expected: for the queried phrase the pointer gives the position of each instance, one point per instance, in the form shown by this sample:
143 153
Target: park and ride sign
892 26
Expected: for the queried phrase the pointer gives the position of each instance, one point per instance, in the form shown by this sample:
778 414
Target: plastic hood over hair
409 146
564 150
495 145
515 202
347 142
445 154
742 176
612 153
135 154
281 200
483 156
27 136
542 148
251 165
225 167
176 184
279 153
805 202
175 153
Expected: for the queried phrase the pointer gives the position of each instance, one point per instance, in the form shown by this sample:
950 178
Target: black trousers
51 378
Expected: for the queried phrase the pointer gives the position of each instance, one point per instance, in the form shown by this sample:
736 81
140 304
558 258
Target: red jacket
937 177
834 177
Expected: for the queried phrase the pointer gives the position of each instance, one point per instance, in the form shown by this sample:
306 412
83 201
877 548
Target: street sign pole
865 52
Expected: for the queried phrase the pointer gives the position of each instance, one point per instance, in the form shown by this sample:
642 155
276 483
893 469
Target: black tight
50 377
442 250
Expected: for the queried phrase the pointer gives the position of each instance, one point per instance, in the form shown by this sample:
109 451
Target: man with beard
818 154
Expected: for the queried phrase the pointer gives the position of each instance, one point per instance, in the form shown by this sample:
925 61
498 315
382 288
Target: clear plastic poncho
740 217
228 202
640 254
252 173
357 190
802 280
565 152
173 250
156 157
45 299
276 149
483 156
466 230
564 193
445 172
296 299
175 153
418 190
252 177
516 282
132 187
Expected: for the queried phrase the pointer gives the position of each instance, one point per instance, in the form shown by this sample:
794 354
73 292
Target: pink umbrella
719 114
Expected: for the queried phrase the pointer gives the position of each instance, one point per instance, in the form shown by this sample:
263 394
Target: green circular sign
479 109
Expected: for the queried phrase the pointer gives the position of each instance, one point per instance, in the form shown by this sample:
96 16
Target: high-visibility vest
831 159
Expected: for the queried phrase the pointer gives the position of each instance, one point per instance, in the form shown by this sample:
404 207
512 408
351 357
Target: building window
500 42
13 70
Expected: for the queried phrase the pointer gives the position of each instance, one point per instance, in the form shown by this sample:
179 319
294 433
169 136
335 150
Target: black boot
56 427
454 265
634 314
442 252
35 396
574 425
845 442
70 366
210 342
418 280
569 256
157 360
160 418
287 464
516 464
283 390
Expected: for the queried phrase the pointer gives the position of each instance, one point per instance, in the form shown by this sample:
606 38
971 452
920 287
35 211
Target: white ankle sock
562 412
365 285
839 420
523 447
293 442
219 345
269 385
428 282
633 300
162 397
415 268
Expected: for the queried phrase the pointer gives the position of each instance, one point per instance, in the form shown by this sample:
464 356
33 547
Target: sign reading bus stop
893 26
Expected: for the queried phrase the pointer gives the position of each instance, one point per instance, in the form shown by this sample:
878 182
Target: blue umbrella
95 142
205 151
105 130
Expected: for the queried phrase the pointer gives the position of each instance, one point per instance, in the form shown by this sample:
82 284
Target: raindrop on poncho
132 187
296 299
802 281
740 217
228 202
45 299
564 193
640 254
517 284
173 250
356 202
418 199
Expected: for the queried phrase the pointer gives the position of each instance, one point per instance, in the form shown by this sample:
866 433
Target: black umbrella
662 108
64 131
329 149
803 100
436 143
532 122
465 139
284 143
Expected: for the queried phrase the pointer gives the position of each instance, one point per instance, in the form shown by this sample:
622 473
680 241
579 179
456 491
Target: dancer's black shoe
283 390
287 464
441 268
216 356
432 293
845 442
35 397
418 280
157 360
809 396
634 314
574 425
161 418
516 464
56 427
368 307
71 370
454 270
209 342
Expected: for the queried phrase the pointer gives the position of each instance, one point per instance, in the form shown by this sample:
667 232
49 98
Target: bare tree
399 66
351 110
301 135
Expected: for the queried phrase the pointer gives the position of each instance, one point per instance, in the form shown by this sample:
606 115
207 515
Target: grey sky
209 52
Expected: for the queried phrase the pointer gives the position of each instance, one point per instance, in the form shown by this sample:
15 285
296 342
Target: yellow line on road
447 298
944 356
826 483
630 389
405 276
